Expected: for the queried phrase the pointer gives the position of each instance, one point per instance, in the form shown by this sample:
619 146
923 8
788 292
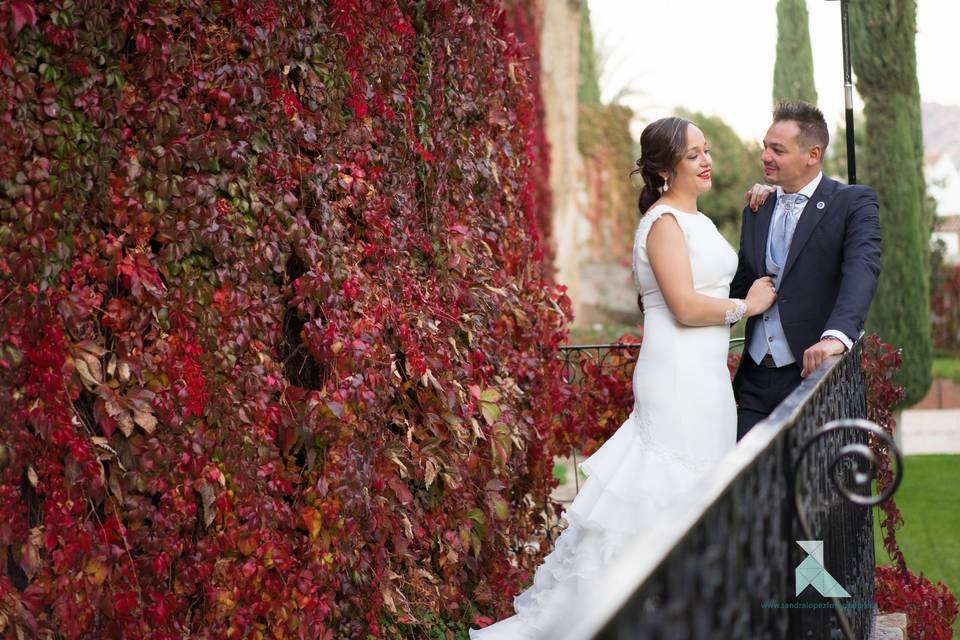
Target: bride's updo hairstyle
662 145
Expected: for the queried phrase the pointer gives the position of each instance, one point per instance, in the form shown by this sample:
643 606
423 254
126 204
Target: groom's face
785 160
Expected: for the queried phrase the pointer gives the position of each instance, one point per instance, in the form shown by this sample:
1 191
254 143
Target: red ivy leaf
23 12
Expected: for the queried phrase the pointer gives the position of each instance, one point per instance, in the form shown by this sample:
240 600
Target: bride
684 418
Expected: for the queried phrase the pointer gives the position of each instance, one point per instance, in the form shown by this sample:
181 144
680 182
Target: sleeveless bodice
712 259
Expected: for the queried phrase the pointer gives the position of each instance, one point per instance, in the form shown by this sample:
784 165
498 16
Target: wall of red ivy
277 341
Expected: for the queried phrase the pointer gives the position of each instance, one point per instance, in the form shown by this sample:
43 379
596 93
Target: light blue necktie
785 225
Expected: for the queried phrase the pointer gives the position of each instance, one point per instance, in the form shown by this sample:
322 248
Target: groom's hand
815 355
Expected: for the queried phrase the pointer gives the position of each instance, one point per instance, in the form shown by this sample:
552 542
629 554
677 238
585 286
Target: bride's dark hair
662 144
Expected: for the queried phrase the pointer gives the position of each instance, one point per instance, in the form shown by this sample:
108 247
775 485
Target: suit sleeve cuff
839 335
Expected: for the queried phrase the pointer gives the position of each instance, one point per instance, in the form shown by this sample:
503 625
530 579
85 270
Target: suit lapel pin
820 205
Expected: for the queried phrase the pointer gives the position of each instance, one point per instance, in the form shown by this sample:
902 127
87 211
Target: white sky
717 56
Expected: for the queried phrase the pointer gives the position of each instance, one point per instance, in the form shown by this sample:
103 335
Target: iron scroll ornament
865 472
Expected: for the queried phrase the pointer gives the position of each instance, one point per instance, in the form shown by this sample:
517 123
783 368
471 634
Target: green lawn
946 367
929 499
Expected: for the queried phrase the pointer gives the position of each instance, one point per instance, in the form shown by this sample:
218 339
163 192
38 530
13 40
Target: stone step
890 626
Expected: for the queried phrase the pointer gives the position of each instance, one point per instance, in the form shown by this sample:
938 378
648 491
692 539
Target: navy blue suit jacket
832 267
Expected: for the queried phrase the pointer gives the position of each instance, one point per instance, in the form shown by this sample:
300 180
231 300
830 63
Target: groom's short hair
813 127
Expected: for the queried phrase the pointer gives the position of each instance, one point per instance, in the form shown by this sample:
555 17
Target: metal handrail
765 460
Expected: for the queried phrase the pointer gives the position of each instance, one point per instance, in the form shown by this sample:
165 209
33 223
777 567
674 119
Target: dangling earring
665 187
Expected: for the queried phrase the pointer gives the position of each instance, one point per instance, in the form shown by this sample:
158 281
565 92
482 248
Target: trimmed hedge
277 344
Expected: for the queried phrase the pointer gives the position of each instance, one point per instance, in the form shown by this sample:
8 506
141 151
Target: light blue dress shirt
768 336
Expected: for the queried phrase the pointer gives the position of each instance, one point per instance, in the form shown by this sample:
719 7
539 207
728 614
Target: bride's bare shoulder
657 211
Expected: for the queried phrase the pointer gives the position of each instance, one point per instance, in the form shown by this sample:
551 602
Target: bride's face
693 170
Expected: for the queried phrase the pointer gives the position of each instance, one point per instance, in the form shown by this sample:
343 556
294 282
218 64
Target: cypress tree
588 63
793 70
884 57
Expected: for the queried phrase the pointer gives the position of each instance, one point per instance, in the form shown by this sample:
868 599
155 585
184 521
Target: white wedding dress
683 421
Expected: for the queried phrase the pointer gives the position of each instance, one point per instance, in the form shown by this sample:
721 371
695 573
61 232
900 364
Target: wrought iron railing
726 567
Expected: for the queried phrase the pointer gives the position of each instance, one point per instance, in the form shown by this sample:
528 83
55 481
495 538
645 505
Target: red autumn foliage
604 396
880 362
931 609
277 343
945 308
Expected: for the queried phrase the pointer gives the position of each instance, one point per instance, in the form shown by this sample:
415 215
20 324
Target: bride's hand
761 296
757 195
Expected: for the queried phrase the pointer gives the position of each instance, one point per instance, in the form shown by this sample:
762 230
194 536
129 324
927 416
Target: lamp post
848 92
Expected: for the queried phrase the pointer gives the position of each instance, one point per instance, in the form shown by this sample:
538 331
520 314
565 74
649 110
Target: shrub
277 342
604 396
931 609
945 307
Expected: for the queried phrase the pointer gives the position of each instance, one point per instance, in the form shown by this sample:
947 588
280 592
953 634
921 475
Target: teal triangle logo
811 572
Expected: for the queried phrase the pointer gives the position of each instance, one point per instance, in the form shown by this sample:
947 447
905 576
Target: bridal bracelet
732 316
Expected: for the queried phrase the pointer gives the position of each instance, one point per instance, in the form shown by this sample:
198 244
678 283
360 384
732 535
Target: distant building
943 183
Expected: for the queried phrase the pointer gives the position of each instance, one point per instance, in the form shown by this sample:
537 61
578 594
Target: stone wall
559 53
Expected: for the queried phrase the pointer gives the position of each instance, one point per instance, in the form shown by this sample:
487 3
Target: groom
819 240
